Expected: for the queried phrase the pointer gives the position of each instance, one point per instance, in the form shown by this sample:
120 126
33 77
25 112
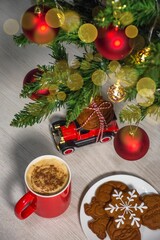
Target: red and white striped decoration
97 110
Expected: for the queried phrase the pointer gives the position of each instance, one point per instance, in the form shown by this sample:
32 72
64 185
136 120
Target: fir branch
143 11
45 68
58 3
21 40
58 51
154 110
130 114
157 97
105 17
70 37
79 100
131 93
34 113
29 89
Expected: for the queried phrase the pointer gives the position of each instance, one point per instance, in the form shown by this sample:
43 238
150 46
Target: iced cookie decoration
126 208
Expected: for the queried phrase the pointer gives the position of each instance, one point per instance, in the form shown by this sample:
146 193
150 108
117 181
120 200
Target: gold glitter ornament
141 55
72 21
75 82
128 76
51 98
61 65
99 77
145 101
126 18
52 89
87 33
146 83
116 93
131 31
114 66
61 96
55 18
146 92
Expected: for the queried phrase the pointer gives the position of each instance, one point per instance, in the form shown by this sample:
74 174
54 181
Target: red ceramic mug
46 206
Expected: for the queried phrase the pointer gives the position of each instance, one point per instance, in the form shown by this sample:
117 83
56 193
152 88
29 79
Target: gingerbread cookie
126 208
126 233
103 193
95 209
99 226
151 218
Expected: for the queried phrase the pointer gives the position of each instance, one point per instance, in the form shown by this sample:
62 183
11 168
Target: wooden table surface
18 146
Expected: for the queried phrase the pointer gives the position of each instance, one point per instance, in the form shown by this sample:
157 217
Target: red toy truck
68 138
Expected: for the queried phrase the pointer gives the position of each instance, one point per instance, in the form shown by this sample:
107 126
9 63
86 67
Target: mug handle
25 206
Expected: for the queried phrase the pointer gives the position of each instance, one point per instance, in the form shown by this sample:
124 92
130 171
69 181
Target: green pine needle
21 40
130 114
34 113
146 15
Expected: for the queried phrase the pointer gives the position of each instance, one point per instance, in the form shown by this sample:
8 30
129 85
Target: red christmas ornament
35 27
131 143
113 44
31 77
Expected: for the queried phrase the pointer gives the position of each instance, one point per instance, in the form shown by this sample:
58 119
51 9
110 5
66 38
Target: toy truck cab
67 138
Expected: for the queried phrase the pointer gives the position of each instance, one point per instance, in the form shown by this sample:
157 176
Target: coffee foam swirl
47 176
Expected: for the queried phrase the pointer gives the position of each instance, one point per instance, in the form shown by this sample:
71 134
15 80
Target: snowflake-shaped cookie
126 208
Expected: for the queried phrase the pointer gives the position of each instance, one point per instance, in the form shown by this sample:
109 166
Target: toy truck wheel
106 139
67 151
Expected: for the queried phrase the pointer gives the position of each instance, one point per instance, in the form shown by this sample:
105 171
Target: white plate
134 182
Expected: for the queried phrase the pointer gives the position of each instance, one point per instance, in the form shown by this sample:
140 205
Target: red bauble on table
131 143
30 78
113 44
35 28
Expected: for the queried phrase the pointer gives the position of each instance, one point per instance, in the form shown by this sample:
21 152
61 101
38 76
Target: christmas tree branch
143 12
34 113
55 77
79 100
58 51
70 37
131 113
21 40
28 89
